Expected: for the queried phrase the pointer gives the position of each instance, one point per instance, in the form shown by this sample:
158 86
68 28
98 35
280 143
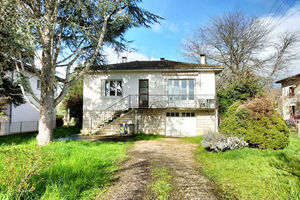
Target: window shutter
103 87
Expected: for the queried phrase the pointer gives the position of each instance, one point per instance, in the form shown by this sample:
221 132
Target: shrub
74 103
247 86
59 121
257 123
259 105
218 142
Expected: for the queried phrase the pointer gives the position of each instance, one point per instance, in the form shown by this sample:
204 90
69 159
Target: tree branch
24 92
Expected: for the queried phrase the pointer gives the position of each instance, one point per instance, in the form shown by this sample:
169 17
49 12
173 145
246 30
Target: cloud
113 57
165 26
156 27
288 21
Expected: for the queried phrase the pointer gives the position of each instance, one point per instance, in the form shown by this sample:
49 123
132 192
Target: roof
157 65
290 78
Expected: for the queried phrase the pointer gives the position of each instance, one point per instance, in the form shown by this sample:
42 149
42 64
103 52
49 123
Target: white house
290 94
159 97
23 118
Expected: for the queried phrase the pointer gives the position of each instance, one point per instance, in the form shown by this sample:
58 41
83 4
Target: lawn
62 170
254 173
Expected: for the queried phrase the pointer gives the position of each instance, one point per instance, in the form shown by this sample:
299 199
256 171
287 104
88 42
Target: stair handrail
107 113
116 103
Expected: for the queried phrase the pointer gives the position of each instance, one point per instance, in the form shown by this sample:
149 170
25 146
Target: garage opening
180 124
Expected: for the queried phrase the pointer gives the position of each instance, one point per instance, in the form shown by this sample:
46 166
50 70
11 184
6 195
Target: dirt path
133 179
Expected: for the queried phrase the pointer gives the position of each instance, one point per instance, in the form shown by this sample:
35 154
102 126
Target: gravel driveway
134 176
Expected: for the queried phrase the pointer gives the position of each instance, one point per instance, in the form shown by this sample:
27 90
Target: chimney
124 59
202 59
162 59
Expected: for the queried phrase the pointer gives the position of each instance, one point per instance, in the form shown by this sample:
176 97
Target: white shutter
103 87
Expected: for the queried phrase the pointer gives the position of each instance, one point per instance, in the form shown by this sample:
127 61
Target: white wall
24 113
288 101
93 92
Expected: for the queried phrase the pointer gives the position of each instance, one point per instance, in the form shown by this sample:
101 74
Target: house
23 118
159 97
290 95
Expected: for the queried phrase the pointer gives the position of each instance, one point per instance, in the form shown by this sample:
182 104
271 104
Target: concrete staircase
112 126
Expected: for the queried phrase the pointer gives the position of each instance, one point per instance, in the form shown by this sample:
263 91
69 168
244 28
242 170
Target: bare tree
66 32
242 43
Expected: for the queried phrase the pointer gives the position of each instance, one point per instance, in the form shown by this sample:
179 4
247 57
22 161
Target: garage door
180 124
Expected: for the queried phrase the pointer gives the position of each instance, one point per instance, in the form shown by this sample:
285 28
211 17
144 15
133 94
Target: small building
159 97
290 95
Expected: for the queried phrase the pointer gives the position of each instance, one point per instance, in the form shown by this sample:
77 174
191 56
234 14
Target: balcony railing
172 101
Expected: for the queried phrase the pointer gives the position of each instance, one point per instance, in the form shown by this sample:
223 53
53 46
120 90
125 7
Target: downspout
217 121
216 105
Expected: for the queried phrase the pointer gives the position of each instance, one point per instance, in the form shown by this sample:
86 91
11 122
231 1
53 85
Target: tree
74 100
62 34
9 90
241 89
240 43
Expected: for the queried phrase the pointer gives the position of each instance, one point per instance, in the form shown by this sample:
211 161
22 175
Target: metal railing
97 119
173 101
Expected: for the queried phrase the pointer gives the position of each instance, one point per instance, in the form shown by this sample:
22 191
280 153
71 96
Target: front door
143 93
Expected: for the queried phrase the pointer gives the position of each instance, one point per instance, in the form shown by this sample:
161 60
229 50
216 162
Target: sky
183 17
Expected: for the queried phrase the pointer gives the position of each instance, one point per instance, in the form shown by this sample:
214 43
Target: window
188 114
292 109
291 91
172 114
113 88
181 89
38 84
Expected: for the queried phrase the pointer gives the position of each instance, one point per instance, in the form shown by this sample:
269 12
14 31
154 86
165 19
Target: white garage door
180 124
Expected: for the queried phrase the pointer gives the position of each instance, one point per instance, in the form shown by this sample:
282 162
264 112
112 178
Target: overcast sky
182 17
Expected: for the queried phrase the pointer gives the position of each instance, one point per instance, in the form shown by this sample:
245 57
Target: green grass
143 136
254 173
161 185
79 169
26 139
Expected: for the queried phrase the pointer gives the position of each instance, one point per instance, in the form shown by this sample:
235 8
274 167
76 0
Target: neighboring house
159 97
290 88
23 118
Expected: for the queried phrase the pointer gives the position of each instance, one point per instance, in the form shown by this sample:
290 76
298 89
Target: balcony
172 101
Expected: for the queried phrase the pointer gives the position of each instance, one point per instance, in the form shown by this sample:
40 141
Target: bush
257 123
218 142
74 103
247 86
59 121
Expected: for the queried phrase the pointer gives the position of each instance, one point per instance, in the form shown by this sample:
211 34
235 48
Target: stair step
111 125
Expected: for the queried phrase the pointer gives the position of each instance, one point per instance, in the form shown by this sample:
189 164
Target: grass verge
161 183
143 136
68 169
254 173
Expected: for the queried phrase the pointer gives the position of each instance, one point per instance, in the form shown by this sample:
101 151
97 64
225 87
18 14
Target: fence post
20 127
9 126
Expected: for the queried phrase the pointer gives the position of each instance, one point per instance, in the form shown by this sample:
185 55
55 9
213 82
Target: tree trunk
45 134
